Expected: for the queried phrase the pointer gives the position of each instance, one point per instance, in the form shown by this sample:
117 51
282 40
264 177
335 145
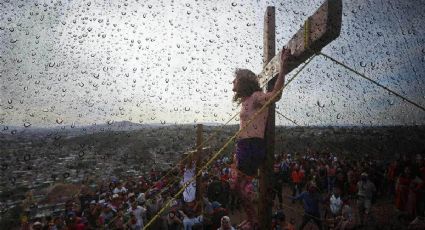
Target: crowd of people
130 203
339 193
335 192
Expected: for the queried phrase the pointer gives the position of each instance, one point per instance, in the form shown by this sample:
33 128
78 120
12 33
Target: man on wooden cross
250 146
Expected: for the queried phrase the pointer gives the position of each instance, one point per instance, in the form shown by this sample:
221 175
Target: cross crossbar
318 30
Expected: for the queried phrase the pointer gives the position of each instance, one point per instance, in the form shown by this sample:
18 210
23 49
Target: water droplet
234 4
27 124
320 105
59 120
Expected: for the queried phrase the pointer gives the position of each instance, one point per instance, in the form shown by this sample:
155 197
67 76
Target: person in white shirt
141 198
138 212
189 193
225 224
119 189
335 202
189 222
365 191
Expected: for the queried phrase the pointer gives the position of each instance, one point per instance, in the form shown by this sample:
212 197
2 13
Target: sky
79 62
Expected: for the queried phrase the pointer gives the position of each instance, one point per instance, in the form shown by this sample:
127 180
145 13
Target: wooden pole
269 50
198 160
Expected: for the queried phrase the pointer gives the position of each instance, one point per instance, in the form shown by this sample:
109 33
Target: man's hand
285 56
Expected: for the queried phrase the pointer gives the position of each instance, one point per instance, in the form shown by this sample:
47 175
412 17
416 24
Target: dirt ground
383 213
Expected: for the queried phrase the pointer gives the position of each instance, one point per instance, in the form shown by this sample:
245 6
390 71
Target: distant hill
386 142
349 139
72 130
31 132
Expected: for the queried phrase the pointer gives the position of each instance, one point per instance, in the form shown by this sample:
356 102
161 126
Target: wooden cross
318 30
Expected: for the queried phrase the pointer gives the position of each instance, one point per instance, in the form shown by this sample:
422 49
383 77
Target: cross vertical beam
269 50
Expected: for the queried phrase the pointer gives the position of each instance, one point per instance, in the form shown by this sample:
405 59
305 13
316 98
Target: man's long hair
247 84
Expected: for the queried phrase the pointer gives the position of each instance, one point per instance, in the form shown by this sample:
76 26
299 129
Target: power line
373 81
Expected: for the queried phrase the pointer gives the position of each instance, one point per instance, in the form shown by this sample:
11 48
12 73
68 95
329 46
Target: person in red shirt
225 176
402 189
391 177
297 177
